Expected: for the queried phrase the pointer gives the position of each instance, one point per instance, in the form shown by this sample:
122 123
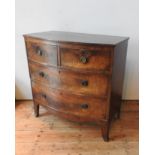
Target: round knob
42 74
39 52
44 96
84 83
83 59
84 106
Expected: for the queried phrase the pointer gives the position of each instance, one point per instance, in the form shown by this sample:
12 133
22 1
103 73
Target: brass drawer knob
84 83
84 106
83 59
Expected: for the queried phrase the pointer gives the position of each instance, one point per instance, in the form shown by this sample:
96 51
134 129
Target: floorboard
51 135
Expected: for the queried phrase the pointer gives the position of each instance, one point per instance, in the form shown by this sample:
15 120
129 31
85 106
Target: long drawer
70 81
81 106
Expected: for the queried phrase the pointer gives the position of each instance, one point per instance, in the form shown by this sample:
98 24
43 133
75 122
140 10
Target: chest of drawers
77 76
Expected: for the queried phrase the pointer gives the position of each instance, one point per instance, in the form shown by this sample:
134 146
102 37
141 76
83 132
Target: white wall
111 17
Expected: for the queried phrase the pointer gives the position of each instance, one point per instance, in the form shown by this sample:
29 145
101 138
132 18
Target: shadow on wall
18 92
22 89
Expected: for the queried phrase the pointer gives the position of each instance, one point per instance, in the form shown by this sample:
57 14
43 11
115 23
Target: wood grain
95 59
70 81
42 52
71 105
82 66
51 135
72 37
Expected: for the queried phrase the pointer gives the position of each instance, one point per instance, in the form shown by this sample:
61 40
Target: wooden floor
50 135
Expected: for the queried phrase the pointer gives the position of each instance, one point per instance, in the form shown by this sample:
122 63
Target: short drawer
69 103
75 82
42 52
89 58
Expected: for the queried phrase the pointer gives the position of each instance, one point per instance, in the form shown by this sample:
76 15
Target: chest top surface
71 37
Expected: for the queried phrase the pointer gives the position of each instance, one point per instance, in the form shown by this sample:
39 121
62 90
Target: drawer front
42 52
90 59
79 83
69 104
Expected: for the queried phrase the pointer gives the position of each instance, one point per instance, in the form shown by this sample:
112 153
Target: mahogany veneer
77 76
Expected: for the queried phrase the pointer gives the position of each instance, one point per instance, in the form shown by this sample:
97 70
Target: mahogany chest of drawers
77 76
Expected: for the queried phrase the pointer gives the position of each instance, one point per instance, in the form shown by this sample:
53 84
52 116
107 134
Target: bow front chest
77 76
